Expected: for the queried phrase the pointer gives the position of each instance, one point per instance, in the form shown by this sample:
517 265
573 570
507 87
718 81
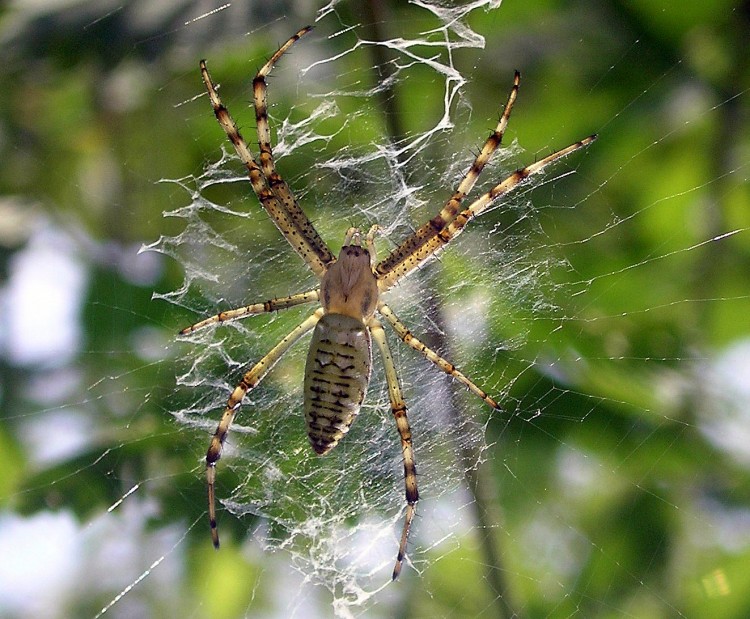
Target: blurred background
619 485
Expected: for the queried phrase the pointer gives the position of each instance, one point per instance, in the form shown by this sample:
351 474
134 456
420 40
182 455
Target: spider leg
277 184
297 236
509 184
403 332
452 206
249 381
444 233
398 407
266 307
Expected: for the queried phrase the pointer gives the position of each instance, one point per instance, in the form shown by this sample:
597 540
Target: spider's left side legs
276 183
308 246
250 381
406 336
398 407
265 307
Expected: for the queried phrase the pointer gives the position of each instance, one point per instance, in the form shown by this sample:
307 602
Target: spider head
349 286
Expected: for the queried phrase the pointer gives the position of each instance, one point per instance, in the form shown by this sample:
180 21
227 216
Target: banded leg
277 184
266 307
509 184
307 247
398 407
249 381
451 207
488 149
403 332
409 262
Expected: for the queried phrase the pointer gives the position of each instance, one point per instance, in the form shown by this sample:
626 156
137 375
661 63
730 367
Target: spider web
496 308
604 305
339 517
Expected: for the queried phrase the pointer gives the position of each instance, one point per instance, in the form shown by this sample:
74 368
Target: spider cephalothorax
339 361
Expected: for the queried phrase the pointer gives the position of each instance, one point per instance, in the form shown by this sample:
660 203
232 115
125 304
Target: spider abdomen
336 378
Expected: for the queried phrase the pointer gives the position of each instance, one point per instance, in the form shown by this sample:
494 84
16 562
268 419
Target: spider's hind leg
398 407
249 381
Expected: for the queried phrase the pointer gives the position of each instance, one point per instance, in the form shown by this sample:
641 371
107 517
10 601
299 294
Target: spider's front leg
274 194
433 236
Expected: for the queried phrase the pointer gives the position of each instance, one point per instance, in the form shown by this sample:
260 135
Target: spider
339 360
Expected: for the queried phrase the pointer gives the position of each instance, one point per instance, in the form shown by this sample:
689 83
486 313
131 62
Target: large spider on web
337 371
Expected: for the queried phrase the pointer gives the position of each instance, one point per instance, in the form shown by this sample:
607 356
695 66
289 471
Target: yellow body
339 361
336 378
340 357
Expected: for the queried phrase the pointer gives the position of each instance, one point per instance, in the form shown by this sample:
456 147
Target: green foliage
612 497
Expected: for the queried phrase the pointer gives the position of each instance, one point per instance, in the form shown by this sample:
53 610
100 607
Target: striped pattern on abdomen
336 378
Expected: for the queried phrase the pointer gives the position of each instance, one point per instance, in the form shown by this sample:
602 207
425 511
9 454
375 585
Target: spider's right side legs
249 381
407 338
452 206
398 407
266 307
